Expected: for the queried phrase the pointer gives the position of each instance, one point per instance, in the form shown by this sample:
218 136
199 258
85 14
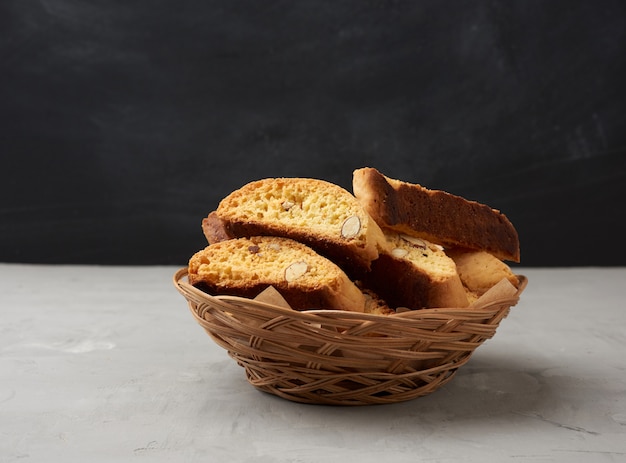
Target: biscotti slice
317 213
247 266
415 274
435 215
480 271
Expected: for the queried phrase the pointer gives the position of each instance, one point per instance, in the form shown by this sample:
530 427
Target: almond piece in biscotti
414 241
351 227
399 252
286 205
295 271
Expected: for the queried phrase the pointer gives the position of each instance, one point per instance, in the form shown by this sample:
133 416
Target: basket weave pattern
344 358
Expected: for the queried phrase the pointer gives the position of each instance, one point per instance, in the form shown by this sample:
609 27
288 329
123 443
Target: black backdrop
124 123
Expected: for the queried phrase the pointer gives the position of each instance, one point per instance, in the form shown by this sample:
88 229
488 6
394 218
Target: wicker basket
344 358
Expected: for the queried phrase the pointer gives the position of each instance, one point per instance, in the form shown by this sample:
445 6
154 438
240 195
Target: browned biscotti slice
246 266
480 271
317 213
435 215
415 274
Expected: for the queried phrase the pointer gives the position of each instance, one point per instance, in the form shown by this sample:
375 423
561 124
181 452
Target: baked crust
435 215
214 229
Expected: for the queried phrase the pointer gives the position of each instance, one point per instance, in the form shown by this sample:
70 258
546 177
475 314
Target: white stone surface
105 364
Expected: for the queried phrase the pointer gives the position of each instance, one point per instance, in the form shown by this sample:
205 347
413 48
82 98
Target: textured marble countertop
107 364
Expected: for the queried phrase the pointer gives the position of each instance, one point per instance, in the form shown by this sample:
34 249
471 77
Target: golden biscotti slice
415 274
247 266
480 271
317 213
435 215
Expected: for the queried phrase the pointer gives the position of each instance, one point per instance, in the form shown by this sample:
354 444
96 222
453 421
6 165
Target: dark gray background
124 123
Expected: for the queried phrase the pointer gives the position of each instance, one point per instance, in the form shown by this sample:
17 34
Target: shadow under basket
345 358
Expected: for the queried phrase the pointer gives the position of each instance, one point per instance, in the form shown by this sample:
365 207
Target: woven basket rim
186 288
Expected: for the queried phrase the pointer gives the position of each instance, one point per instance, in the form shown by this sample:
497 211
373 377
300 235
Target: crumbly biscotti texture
317 213
480 271
374 304
435 215
246 266
415 274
